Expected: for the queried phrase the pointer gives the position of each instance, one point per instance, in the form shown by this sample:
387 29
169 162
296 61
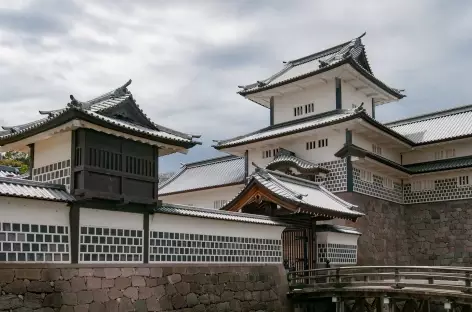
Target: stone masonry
419 234
69 288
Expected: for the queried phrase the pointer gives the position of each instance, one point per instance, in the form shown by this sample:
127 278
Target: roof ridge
213 160
432 115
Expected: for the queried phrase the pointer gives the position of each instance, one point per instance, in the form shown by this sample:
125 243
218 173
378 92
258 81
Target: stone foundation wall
440 233
70 288
384 236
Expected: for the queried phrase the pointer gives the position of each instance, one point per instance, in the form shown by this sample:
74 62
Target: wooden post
146 237
74 225
467 282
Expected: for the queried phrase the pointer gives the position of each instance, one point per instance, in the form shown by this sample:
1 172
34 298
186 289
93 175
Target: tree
16 159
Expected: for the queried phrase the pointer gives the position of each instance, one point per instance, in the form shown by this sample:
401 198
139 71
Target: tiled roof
352 52
437 126
301 163
289 127
7 171
34 190
97 109
438 165
191 211
305 193
209 173
337 229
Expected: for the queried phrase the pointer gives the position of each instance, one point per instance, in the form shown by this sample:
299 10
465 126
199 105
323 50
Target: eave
201 189
74 113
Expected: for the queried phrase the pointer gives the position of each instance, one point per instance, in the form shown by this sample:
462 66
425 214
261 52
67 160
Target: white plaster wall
336 238
366 143
323 95
32 211
111 219
351 96
56 148
203 198
181 224
463 148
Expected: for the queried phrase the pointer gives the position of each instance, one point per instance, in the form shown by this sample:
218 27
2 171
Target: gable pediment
128 111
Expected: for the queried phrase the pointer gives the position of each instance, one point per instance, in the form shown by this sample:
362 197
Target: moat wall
418 234
81 288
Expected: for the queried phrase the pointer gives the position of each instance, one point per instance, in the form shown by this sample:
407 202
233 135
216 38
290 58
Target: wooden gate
299 249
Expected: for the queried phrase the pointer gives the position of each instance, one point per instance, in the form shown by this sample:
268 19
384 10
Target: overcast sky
186 58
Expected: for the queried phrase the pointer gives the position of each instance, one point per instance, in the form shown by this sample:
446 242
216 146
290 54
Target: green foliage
19 160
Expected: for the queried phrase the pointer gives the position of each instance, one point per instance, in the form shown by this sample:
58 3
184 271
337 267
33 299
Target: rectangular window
376 149
387 183
449 153
310 145
297 111
323 143
422 185
217 204
309 108
270 153
366 175
463 180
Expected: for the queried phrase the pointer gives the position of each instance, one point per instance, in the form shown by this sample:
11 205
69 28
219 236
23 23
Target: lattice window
56 173
387 183
184 247
297 111
323 142
366 175
337 253
463 180
101 244
270 153
377 187
309 108
217 204
422 185
310 145
24 242
376 149
442 154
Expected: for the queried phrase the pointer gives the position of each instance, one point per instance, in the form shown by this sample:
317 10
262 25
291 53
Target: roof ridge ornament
74 103
123 90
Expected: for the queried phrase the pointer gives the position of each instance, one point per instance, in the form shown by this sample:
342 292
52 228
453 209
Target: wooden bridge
382 289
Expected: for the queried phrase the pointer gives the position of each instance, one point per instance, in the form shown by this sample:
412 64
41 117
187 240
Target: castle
409 180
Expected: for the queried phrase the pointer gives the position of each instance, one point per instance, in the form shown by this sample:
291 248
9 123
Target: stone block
84 296
68 274
85 272
131 292
235 305
127 272
6 276
224 278
125 305
170 290
111 306
223 306
53 300
115 293
16 287
174 278
143 272
8 302
155 272
62 286
178 301
69 298
50 274
144 292
150 282
122 282
140 306
97 307
199 308
108 283
159 291
205 299
100 295
33 301
227 295
152 304
81 308
192 300
43 309
29 274
39 287
94 283
138 281
65 308
77 284
162 281
182 288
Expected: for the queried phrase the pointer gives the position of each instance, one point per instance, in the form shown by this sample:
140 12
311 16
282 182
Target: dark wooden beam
349 169
156 173
246 163
31 156
373 109
271 110
146 237
74 221
73 151
339 101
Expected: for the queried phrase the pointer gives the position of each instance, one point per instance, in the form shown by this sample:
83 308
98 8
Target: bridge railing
424 277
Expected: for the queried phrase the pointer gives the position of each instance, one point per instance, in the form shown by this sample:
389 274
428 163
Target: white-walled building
322 115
